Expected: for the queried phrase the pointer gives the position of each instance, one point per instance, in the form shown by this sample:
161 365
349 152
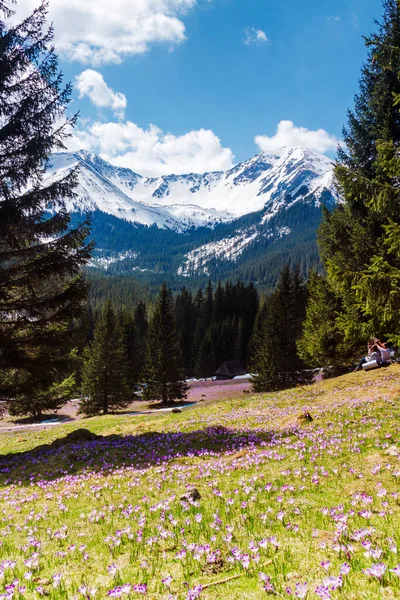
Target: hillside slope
306 508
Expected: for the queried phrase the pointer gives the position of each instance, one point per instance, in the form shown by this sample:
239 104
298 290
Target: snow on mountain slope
103 187
229 249
268 182
263 181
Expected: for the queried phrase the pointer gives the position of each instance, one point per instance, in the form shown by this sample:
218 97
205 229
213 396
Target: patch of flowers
289 510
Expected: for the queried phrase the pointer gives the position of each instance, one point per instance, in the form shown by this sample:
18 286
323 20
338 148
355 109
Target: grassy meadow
288 508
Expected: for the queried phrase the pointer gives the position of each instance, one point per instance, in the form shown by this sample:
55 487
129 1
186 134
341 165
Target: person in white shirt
374 354
385 352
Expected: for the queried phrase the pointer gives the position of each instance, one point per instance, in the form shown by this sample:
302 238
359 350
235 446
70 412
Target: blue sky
233 68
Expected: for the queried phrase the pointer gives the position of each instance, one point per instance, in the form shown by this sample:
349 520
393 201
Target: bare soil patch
200 391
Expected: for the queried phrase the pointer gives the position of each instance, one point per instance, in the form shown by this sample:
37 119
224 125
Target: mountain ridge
250 186
206 224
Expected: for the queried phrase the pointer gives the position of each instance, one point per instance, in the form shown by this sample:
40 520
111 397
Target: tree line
154 350
51 346
156 347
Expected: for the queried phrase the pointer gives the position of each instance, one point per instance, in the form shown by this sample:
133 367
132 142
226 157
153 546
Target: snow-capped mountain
264 182
245 210
109 189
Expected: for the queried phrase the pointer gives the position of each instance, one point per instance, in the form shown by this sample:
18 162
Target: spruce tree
141 327
164 376
129 344
134 328
105 386
250 304
374 116
41 288
265 362
322 343
186 324
357 241
206 362
255 340
204 305
275 361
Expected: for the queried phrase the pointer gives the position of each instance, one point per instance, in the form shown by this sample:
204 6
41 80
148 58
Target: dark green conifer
374 116
322 343
275 361
206 363
164 376
356 239
105 386
141 324
41 288
186 325
134 327
265 362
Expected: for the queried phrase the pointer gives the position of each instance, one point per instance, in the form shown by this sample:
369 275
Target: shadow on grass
82 451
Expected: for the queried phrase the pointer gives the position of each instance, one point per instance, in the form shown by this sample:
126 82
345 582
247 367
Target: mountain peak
264 182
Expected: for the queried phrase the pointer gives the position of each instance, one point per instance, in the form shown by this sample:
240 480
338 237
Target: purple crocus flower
377 570
194 593
301 590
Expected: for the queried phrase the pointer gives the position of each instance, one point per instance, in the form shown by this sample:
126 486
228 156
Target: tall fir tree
105 375
164 375
275 361
186 324
127 323
356 240
374 116
321 342
265 361
250 304
259 322
41 288
206 363
141 324
134 327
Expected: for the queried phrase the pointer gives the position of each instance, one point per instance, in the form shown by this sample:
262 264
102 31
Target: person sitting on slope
384 350
373 354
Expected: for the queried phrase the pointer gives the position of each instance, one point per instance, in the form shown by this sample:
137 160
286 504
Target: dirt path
200 391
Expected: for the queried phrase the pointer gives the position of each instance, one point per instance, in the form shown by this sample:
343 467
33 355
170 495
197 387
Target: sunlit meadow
288 508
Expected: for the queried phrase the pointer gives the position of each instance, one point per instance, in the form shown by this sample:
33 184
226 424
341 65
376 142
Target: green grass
278 496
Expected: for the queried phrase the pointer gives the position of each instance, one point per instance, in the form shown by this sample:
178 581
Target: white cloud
151 151
287 134
254 36
334 19
98 32
91 84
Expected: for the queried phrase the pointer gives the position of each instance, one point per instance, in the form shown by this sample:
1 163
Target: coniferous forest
64 333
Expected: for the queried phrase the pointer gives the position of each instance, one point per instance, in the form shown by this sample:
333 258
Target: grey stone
191 495
393 451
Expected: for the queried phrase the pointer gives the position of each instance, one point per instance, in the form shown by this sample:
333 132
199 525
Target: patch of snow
227 249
